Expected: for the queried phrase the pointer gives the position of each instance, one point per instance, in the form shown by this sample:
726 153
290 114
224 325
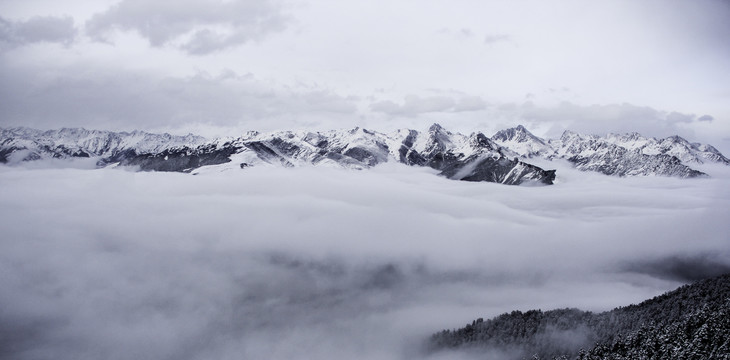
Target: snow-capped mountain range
503 158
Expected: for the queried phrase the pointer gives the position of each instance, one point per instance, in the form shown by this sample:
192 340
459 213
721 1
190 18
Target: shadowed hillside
688 323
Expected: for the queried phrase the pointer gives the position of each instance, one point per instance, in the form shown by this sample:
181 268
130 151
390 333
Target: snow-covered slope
595 153
78 142
471 158
686 152
503 158
619 155
523 142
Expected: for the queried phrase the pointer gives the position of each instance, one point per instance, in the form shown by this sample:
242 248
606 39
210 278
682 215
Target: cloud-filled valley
327 263
367 245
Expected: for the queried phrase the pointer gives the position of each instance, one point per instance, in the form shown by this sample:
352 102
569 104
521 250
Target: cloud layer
51 29
318 263
139 100
197 27
414 105
601 119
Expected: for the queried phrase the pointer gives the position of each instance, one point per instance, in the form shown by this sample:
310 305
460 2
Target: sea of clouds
313 263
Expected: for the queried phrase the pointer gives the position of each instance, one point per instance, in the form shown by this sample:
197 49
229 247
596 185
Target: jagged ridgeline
504 158
692 322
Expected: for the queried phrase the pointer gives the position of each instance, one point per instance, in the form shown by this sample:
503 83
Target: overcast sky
211 66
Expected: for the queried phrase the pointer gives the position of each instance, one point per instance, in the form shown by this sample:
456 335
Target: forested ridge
690 322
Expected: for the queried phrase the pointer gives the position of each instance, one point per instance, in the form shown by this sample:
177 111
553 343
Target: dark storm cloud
50 29
127 99
195 26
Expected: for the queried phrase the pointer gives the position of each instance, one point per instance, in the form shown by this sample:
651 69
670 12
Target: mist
325 263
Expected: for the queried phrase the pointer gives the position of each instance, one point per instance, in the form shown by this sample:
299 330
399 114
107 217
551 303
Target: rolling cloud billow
281 263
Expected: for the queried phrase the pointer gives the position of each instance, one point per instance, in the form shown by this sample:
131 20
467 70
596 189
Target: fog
269 263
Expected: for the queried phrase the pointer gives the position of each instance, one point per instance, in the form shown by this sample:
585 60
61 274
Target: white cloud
414 105
706 117
470 103
495 38
462 33
128 100
51 29
601 119
196 26
325 263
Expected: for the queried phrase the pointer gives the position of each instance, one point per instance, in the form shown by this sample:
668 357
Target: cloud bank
324 263
414 105
143 100
194 26
50 29
601 119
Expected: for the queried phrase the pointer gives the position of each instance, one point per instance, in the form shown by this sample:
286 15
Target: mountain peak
521 141
475 157
436 127
677 139
516 134
569 134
